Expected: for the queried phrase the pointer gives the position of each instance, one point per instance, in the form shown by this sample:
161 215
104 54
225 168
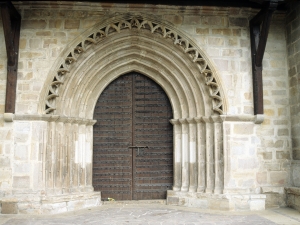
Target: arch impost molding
191 120
66 119
198 120
217 119
55 118
175 121
210 119
183 121
134 22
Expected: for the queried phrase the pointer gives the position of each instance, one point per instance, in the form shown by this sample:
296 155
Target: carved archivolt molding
134 23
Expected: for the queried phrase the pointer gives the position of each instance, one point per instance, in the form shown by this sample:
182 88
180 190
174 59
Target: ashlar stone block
9 207
278 177
21 182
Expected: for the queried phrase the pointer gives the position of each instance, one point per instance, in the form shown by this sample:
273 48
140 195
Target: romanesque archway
134 43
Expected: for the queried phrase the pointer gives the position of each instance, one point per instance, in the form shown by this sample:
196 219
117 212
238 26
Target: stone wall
293 51
257 157
293 44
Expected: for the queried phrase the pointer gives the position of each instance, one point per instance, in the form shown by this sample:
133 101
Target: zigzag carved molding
134 23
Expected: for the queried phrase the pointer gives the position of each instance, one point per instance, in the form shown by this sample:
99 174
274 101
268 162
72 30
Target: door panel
133 111
112 160
151 128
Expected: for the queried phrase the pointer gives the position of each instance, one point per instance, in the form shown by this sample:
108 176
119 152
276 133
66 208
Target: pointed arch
177 62
158 50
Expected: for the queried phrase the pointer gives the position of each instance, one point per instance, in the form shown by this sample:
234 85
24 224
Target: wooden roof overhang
259 28
11 20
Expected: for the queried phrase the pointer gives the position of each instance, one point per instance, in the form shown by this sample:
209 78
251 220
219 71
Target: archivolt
130 24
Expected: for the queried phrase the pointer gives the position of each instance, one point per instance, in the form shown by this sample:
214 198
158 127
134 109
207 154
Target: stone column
185 155
218 143
50 155
82 154
201 154
58 156
192 155
210 176
72 149
67 158
75 153
176 154
89 157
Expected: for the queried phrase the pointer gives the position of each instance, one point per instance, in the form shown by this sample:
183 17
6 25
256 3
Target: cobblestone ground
134 214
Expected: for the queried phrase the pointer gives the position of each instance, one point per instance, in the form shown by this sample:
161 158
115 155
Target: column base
293 197
225 202
49 204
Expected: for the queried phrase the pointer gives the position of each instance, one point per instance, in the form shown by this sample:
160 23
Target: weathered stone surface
176 19
278 177
262 178
216 41
21 182
9 207
34 24
243 129
55 24
172 200
214 21
4 162
43 33
238 21
21 152
202 31
72 24
251 155
283 155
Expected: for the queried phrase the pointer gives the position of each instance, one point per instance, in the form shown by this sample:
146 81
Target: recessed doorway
133 140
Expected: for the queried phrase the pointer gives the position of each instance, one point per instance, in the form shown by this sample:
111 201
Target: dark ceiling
221 3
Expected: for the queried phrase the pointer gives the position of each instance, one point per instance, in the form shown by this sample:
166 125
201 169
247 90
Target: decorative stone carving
138 23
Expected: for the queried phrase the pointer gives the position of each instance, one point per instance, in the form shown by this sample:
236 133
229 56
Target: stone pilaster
177 154
210 174
185 155
201 154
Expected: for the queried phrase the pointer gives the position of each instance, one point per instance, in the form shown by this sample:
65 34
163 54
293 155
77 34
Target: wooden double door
133 140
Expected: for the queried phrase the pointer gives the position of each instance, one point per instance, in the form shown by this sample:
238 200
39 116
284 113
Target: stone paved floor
134 214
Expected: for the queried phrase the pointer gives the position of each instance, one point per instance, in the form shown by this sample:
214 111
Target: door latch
138 148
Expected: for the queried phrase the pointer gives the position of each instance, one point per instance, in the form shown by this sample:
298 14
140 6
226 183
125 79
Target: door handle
138 147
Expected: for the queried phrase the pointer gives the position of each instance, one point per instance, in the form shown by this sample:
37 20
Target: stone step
126 202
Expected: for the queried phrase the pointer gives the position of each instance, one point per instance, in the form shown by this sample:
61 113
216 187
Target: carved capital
175 121
183 121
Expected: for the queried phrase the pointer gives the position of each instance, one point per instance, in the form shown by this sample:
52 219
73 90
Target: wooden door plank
112 159
153 173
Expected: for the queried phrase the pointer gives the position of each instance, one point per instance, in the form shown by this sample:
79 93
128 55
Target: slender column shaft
50 156
44 155
72 157
76 166
185 155
201 154
54 155
89 156
82 154
67 169
218 141
210 176
59 156
192 155
177 154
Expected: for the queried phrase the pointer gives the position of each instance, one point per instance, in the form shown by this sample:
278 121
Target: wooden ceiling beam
259 30
11 20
